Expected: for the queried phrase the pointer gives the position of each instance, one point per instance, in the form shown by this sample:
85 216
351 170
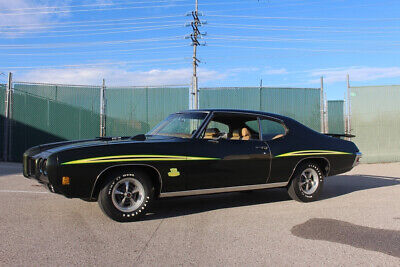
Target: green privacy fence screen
336 116
302 104
50 113
45 113
132 111
2 110
375 121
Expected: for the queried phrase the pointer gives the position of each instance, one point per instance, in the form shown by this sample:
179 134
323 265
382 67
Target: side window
215 130
271 129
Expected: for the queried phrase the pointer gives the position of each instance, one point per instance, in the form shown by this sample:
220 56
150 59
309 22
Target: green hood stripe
312 152
125 158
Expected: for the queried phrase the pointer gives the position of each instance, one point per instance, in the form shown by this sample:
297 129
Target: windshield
179 125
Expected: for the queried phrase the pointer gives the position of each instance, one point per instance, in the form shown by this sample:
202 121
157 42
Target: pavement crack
148 241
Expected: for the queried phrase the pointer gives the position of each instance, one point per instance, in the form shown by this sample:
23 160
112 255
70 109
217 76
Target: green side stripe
312 152
125 158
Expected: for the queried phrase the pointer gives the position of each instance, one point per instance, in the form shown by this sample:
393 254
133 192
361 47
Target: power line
88 5
119 51
303 18
95 33
273 39
98 29
311 27
62 45
93 21
304 49
256 27
110 9
95 64
88 25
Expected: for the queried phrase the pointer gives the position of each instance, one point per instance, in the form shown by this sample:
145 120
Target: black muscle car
191 153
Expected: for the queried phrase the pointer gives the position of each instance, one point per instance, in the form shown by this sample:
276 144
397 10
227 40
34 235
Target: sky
286 43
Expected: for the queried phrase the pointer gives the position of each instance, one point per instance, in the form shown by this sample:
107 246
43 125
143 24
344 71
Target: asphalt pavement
356 222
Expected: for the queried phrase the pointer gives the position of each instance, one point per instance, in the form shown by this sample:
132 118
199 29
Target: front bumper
357 159
37 167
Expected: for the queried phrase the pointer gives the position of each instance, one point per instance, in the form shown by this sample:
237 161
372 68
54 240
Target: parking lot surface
357 222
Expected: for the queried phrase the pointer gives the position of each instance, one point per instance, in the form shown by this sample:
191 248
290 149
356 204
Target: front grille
31 166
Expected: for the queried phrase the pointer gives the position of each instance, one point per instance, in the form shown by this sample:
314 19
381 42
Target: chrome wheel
309 181
128 194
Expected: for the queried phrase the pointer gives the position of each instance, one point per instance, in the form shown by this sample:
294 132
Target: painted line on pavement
21 191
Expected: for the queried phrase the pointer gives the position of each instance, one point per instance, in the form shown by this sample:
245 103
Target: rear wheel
307 182
126 196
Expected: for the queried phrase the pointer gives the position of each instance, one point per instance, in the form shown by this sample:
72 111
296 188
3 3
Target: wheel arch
151 170
322 162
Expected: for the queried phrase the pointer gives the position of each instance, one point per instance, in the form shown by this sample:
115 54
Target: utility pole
194 36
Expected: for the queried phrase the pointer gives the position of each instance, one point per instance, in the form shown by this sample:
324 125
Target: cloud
117 76
244 69
270 71
356 74
13 23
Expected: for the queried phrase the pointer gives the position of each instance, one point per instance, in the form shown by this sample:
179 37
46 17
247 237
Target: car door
228 162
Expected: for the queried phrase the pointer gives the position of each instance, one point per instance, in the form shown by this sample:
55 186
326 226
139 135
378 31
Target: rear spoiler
340 135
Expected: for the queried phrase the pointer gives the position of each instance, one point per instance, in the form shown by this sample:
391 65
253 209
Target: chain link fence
43 113
336 123
301 104
375 121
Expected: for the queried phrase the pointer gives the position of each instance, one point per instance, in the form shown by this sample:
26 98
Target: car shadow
10 168
368 238
335 186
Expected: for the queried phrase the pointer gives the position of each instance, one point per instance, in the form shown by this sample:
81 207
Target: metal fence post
348 105
322 104
326 117
102 109
7 116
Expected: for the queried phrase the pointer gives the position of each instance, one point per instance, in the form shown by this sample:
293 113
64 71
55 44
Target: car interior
242 127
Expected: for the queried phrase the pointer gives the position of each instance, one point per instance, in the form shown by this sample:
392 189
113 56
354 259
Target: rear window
271 129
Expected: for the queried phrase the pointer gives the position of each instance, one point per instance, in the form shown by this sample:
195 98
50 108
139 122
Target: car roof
244 111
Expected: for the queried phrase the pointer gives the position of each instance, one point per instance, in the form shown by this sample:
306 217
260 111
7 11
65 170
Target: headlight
39 165
44 167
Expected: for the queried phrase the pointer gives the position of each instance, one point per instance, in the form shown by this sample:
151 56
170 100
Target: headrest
245 132
212 131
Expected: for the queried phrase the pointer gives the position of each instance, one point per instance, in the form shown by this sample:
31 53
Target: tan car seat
235 135
211 133
277 136
246 135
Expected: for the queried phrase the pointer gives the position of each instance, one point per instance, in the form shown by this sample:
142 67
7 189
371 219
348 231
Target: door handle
262 147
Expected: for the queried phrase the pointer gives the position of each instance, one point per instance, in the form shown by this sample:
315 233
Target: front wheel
307 182
126 196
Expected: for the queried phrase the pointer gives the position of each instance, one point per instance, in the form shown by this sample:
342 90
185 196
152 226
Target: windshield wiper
139 137
111 138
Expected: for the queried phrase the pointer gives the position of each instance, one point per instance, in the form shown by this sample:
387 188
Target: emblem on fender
173 172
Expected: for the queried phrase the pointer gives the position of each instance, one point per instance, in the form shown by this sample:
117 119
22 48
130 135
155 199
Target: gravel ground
357 222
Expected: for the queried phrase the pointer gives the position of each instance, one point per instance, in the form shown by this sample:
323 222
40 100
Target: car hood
67 145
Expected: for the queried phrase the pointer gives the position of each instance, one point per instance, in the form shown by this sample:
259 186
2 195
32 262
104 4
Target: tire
307 182
126 196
